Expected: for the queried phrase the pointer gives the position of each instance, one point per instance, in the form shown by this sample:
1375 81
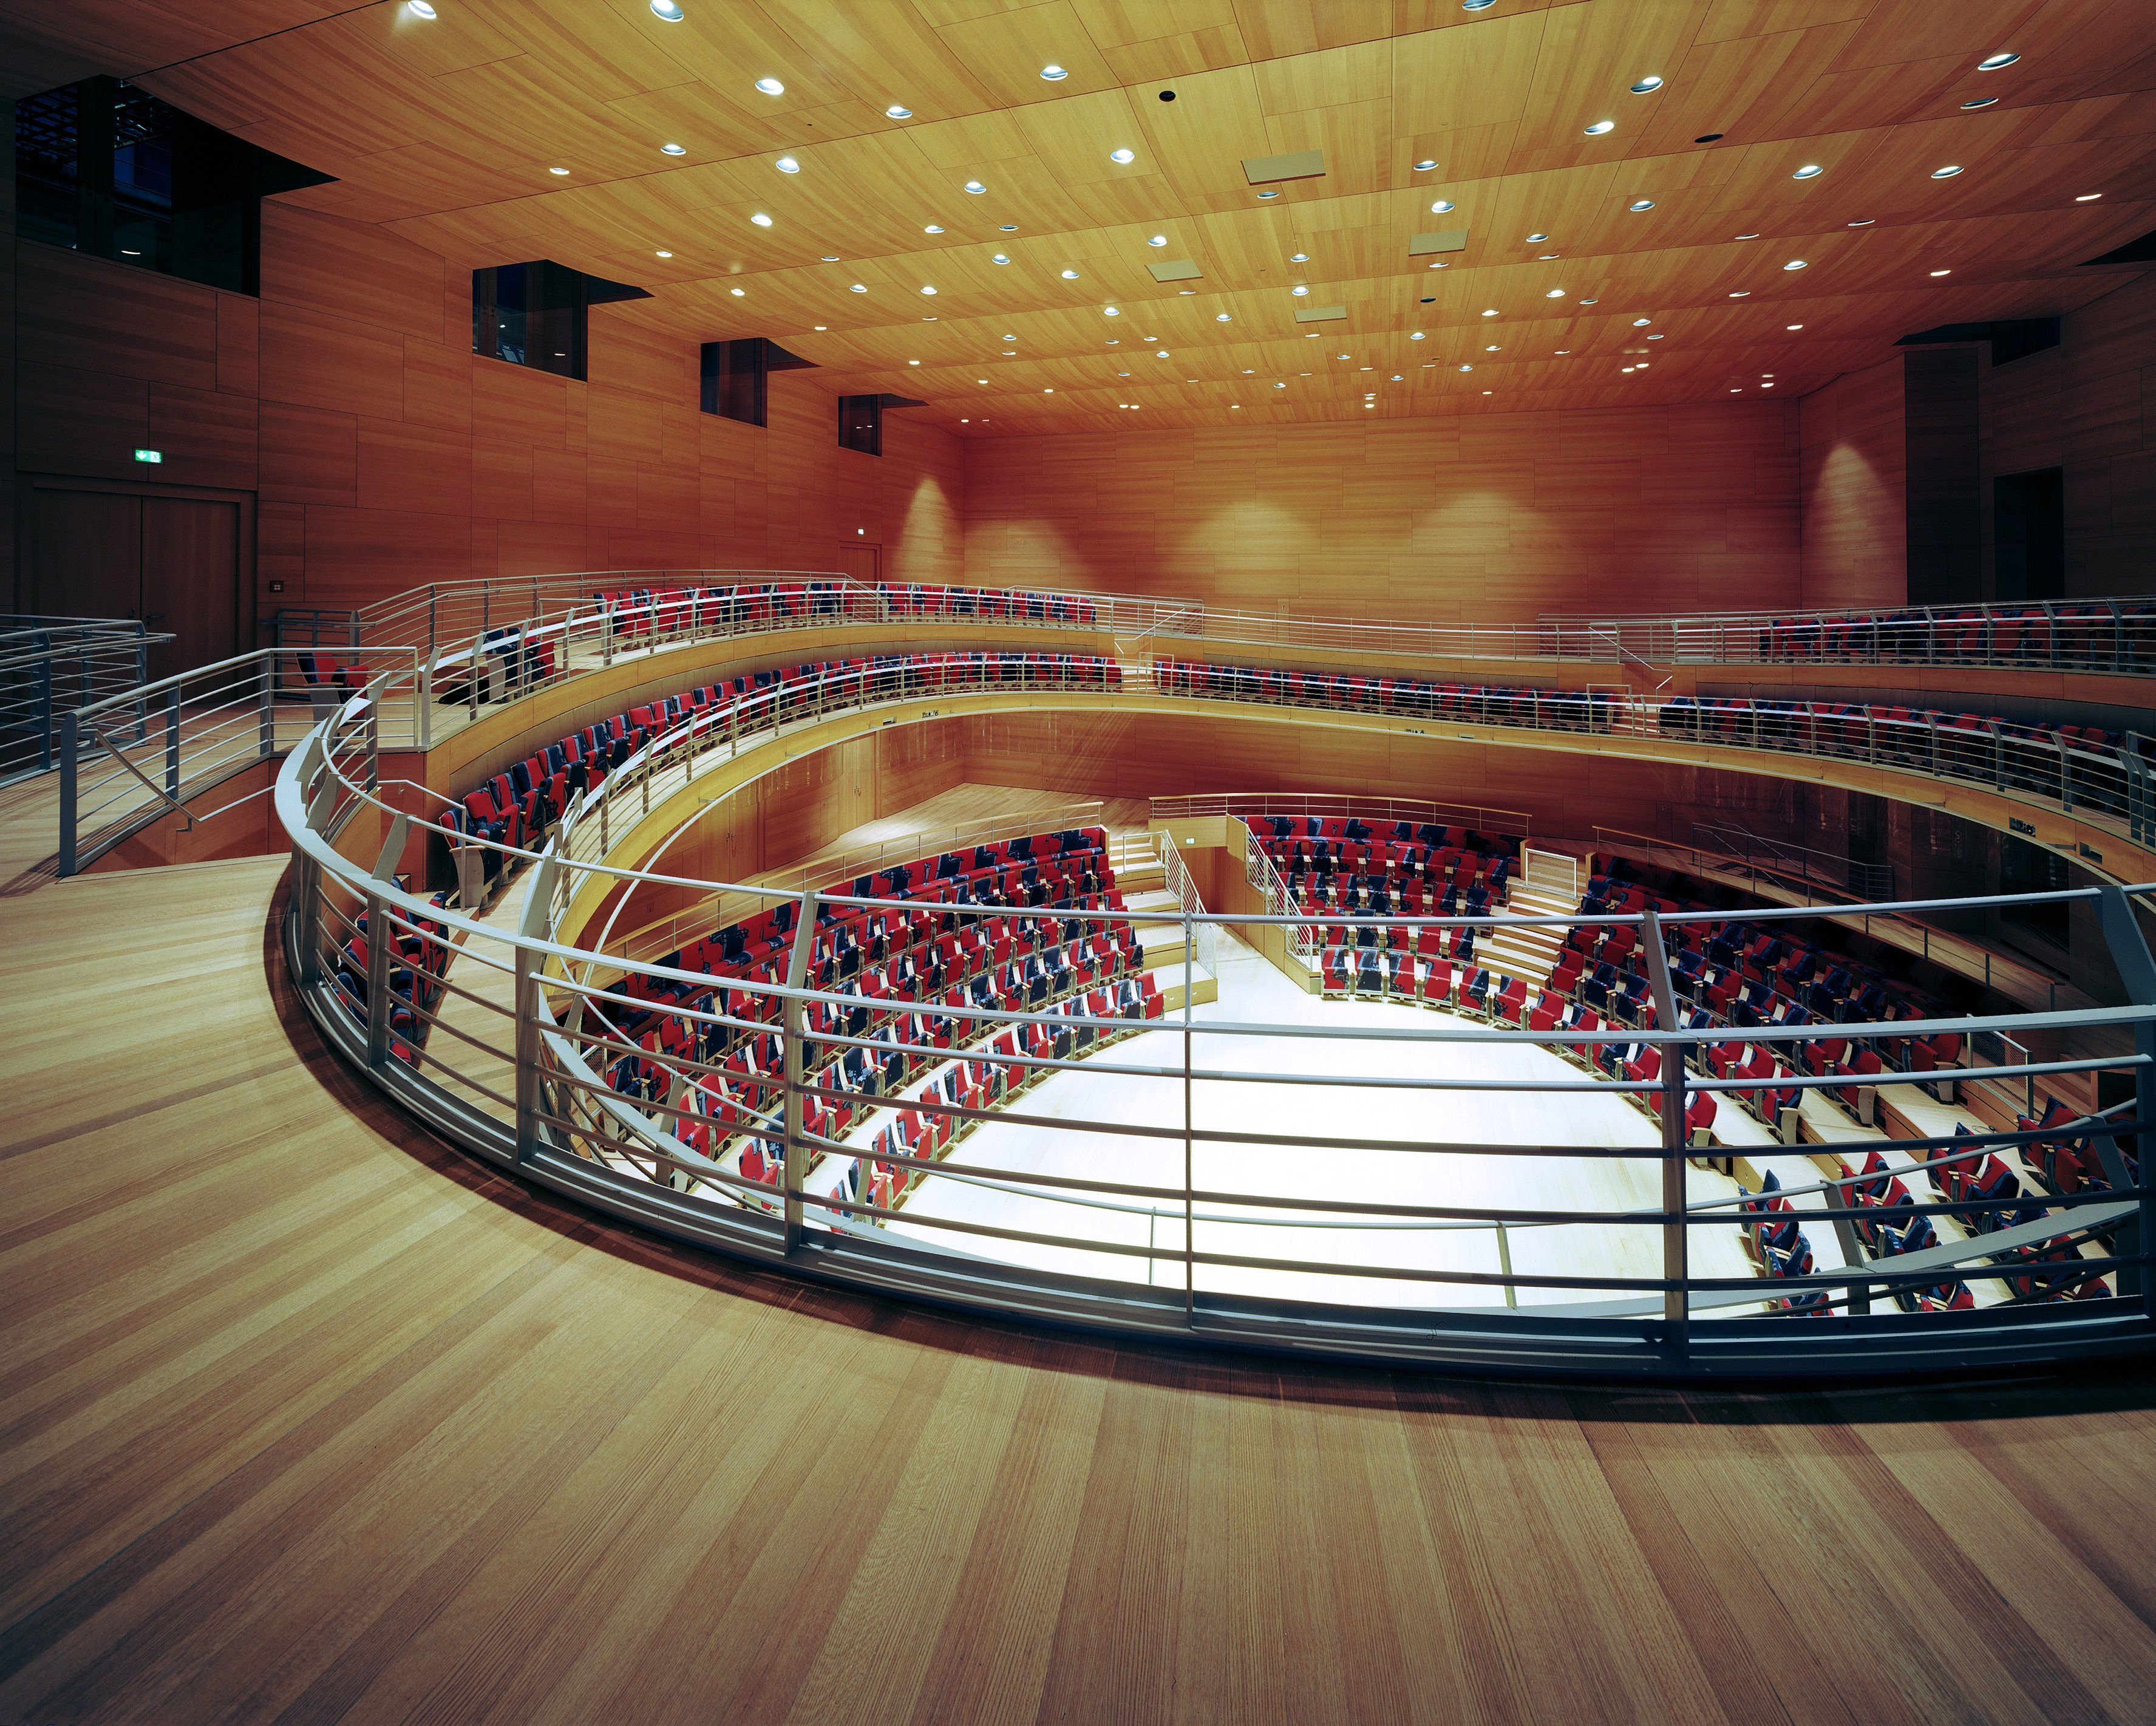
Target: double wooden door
172 560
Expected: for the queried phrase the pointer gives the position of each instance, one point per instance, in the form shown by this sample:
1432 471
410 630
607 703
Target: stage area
1252 992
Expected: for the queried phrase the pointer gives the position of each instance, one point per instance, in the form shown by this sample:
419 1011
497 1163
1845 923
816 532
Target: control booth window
104 168
2024 868
735 377
861 423
535 314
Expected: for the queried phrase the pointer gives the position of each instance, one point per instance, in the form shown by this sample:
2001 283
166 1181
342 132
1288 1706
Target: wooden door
861 560
86 554
191 580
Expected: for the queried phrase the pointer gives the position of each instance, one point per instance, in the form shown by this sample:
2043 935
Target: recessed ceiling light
1641 203
1157 239
1747 236
1766 386
738 293
668 10
1467 368
896 112
976 187
1275 193
1996 61
136 252
1591 302
1298 257
1010 338
823 326
1601 127
760 219
558 171
769 86
860 287
1122 156
1220 317
2087 197
1438 209
931 228
1536 239
1564 350
830 257
1111 311
1740 293
1646 84
1554 293
1546 257
1070 276
1298 290
1795 264
1476 5
419 8
1491 348
928 321
926 289
1864 222
1624 368
662 254
1943 272
1007 227
1490 311
1641 323
1416 336
913 362
673 150
1708 138
1946 172
1810 171
1049 390
787 165
1000 258
980 380
1425 164
1793 327
1054 75
1161 354
1980 102
1656 337
965 421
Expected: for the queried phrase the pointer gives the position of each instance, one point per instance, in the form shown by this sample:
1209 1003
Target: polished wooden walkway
304 1417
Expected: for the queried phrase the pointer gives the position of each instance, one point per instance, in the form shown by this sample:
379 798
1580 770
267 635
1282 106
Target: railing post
172 742
377 983
1189 1207
797 1154
2136 972
44 717
70 734
1676 1233
265 742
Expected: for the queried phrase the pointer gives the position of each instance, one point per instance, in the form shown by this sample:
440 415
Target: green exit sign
150 455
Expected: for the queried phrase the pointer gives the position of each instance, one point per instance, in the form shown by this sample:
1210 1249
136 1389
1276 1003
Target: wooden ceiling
445 131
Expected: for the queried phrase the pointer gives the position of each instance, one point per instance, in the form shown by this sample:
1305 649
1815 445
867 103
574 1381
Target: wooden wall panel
1496 518
2107 439
1854 490
1941 475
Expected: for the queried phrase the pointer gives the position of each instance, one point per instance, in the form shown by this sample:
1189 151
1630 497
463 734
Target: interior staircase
1530 955
1134 855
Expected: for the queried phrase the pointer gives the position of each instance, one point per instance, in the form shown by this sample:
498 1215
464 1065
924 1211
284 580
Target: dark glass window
535 314
861 423
105 169
2024 868
735 374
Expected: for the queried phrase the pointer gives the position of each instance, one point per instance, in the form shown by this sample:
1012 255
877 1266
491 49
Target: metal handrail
558 1120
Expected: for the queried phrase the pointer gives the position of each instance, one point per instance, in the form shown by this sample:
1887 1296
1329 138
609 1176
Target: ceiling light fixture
1476 5
1157 239
419 8
931 228
830 257
1122 156
1275 193
1298 290
1536 239
1996 61
1601 128
1641 323
1439 209
1591 302
1946 172
1161 354
738 293
1554 293
1000 258
1980 102
1708 138
668 10
760 219
896 112
1793 327
1111 311
1416 336
1795 264
926 289
1070 276
1864 222
1298 257
1007 227
1943 272
1810 171
1641 203
1425 164
769 86
913 362
1740 293
787 165
662 254
2087 197
673 150
1467 368
1054 75
1490 311
1220 317
1747 236
976 187
860 287
1646 85
558 171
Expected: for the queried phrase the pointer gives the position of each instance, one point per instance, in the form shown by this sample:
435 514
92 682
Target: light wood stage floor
308 1418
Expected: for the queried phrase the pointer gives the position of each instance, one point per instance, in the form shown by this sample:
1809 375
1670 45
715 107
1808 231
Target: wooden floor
304 1417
